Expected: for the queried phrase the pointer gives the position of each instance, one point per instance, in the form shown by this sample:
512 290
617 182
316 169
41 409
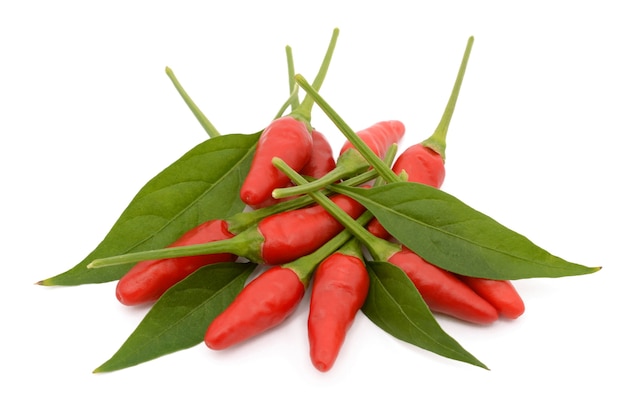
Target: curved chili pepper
322 160
500 293
262 304
148 280
339 289
285 137
442 291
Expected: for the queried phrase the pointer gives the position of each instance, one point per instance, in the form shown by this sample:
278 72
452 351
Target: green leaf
448 233
201 185
179 319
395 305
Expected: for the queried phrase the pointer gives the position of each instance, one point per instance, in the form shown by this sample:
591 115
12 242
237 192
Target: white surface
88 116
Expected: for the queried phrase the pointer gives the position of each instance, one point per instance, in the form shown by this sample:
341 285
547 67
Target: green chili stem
303 111
290 74
292 97
379 248
241 221
240 245
349 163
383 170
437 141
204 121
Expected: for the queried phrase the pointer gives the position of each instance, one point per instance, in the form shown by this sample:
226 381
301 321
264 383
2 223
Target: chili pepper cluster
308 224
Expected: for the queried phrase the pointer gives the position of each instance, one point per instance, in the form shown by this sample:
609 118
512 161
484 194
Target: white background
87 116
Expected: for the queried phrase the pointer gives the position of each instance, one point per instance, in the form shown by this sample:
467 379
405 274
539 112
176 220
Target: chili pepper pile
369 230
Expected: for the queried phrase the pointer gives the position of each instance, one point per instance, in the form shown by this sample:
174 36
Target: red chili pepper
500 293
287 138
269 299
422 165
148 280
442 291
321 163
425 162
262 304
295 233
340 287
322 160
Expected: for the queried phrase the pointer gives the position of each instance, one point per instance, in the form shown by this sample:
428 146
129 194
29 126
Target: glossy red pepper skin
322 160
422 165
379 137
292 234
262 304
339 289
500 293
148 280
442 291
287 138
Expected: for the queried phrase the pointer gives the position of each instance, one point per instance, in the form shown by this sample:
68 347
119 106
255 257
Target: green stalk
437 141
241 221
290 74
303 111
380 249
290 101
383 170
204 121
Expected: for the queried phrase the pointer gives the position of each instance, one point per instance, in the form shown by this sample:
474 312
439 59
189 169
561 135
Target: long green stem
243 220
383 170
290 74
437 141
379 248
290 101
304 109
349 163
204 121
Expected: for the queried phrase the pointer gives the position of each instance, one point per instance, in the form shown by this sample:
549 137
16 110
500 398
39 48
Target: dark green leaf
395 305
448 233
201 185
179 319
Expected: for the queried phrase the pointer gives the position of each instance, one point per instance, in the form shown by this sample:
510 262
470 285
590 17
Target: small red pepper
269 298
442 291
289 138
322 160
148 280
500 293
321 163
339 289
424 162
262 304
286 137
